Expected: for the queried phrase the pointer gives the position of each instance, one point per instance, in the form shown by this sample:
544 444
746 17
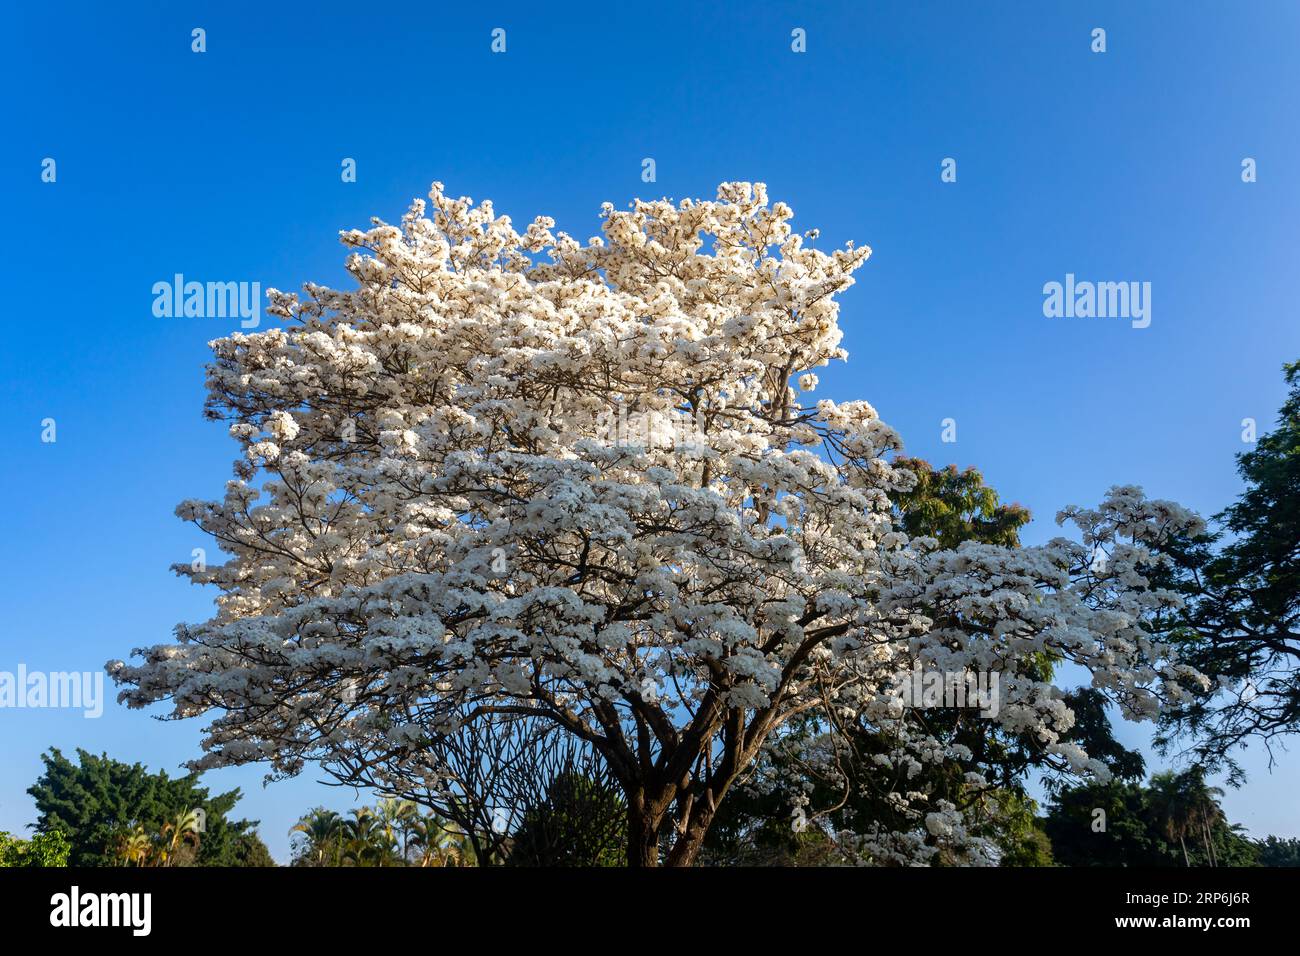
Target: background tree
321 843
133 847
367 840
42 850
1278 851
1108 825
249 850
392 833
1204 813
436 841
1021 836
1242 623
1176 821
1171 804
581 822
179 838
97 799
481 780
396 819
955 506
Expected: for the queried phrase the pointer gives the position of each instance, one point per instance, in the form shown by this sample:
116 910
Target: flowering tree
522 476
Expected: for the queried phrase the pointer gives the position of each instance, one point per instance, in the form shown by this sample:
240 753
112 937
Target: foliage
1105 825
322 839
1019 833
392 833
1176 821
100 803
251 851
1242 623
581 822
955 506
1279 851
42 850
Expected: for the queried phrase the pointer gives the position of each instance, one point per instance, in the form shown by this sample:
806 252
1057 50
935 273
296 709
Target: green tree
132 847
1176 821
1241 626
1108 825
1171 803
322 842
97 800
955 506
180 838
1278 851
581 822
1019 832
1215 841
42 850
1206 815
369 840
396 819
435 841
1234 847
251 851
392 833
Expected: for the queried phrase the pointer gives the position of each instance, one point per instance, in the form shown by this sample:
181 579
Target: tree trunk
642 834
1183 843
692 830
687 846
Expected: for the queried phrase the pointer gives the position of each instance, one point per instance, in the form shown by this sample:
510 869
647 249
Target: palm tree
367 840
324 832
1204 812
458 850
176 833
1172 808
133 846
440 842
394 818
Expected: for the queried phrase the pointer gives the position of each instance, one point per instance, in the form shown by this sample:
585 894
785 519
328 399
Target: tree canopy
586 483
99 801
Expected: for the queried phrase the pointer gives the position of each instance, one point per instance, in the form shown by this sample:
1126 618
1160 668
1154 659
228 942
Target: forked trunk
687 846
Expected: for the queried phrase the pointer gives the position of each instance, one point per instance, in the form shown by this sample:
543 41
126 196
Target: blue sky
225 166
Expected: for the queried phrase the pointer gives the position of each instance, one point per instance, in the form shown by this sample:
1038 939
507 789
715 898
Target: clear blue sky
225 166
